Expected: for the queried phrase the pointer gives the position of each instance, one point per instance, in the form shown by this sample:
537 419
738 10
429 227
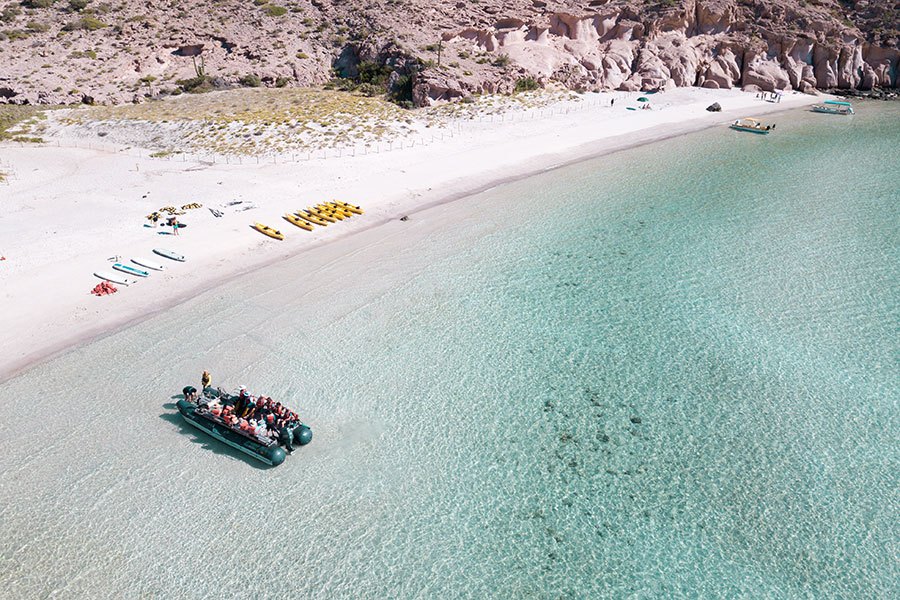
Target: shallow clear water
668 372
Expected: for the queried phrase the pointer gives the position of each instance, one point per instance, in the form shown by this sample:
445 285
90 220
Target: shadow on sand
173 416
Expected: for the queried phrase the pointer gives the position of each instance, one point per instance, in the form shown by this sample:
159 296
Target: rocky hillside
421 51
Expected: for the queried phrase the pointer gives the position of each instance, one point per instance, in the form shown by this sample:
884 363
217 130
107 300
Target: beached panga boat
752 125
298 222
261 448
833 107
269 231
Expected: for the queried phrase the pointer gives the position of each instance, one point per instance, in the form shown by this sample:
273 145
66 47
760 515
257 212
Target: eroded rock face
455 48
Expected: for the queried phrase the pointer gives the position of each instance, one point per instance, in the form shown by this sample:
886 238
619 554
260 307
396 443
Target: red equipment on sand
104 288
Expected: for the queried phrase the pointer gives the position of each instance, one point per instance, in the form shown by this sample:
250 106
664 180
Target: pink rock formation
145 49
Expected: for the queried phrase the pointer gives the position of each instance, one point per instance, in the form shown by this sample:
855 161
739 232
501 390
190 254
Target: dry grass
21 123
274 121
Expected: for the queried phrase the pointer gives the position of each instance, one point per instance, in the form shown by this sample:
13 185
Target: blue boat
833 107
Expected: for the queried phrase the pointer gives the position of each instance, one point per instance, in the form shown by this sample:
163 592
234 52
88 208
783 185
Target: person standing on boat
286 436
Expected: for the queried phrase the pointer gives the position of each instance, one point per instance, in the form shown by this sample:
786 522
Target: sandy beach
66 211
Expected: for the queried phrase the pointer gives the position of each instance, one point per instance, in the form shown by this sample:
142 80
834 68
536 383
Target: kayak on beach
269 231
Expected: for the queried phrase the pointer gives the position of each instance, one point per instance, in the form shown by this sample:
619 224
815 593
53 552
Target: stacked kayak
323 215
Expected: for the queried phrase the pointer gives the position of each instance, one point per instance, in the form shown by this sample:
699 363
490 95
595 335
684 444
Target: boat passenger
205 380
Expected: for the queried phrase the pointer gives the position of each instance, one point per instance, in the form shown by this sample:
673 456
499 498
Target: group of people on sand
255 415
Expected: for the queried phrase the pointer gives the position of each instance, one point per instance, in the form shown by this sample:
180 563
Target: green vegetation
37 27
503 60
78 5
13 34
196 85
274 10
250 80
12 115
91 54
38 3
526 84
86 23
9 14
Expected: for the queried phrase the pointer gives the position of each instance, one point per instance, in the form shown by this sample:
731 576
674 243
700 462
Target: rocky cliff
64 51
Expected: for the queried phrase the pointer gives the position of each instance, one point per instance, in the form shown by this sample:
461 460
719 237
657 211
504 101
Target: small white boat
113 278
169 254
752 125
147 263
130 270
833 107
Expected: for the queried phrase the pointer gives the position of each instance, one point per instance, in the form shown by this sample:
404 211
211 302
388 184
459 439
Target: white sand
65 211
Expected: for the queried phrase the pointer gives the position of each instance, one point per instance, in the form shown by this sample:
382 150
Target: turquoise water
668 372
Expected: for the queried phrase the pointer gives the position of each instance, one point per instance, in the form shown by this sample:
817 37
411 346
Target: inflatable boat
260 447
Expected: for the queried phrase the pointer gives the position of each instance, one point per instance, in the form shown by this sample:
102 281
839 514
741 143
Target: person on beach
174 226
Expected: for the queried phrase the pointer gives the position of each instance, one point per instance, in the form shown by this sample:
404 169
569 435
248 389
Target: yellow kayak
337 210
330 212
350 207
321 215
298 222
272 233
311 218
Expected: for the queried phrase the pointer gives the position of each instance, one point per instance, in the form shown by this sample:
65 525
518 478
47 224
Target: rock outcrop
443 50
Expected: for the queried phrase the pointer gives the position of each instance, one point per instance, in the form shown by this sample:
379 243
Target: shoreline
209 273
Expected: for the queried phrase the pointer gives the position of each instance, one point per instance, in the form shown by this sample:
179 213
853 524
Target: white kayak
169 254
130 270
146 262
113 278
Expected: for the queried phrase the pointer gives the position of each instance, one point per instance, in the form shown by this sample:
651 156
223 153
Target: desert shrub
250 80
368 89
526 84
502 60
374 73
37 27
196 85
9 14
13 34
78 5
273 10
38 3
86 23
281 82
